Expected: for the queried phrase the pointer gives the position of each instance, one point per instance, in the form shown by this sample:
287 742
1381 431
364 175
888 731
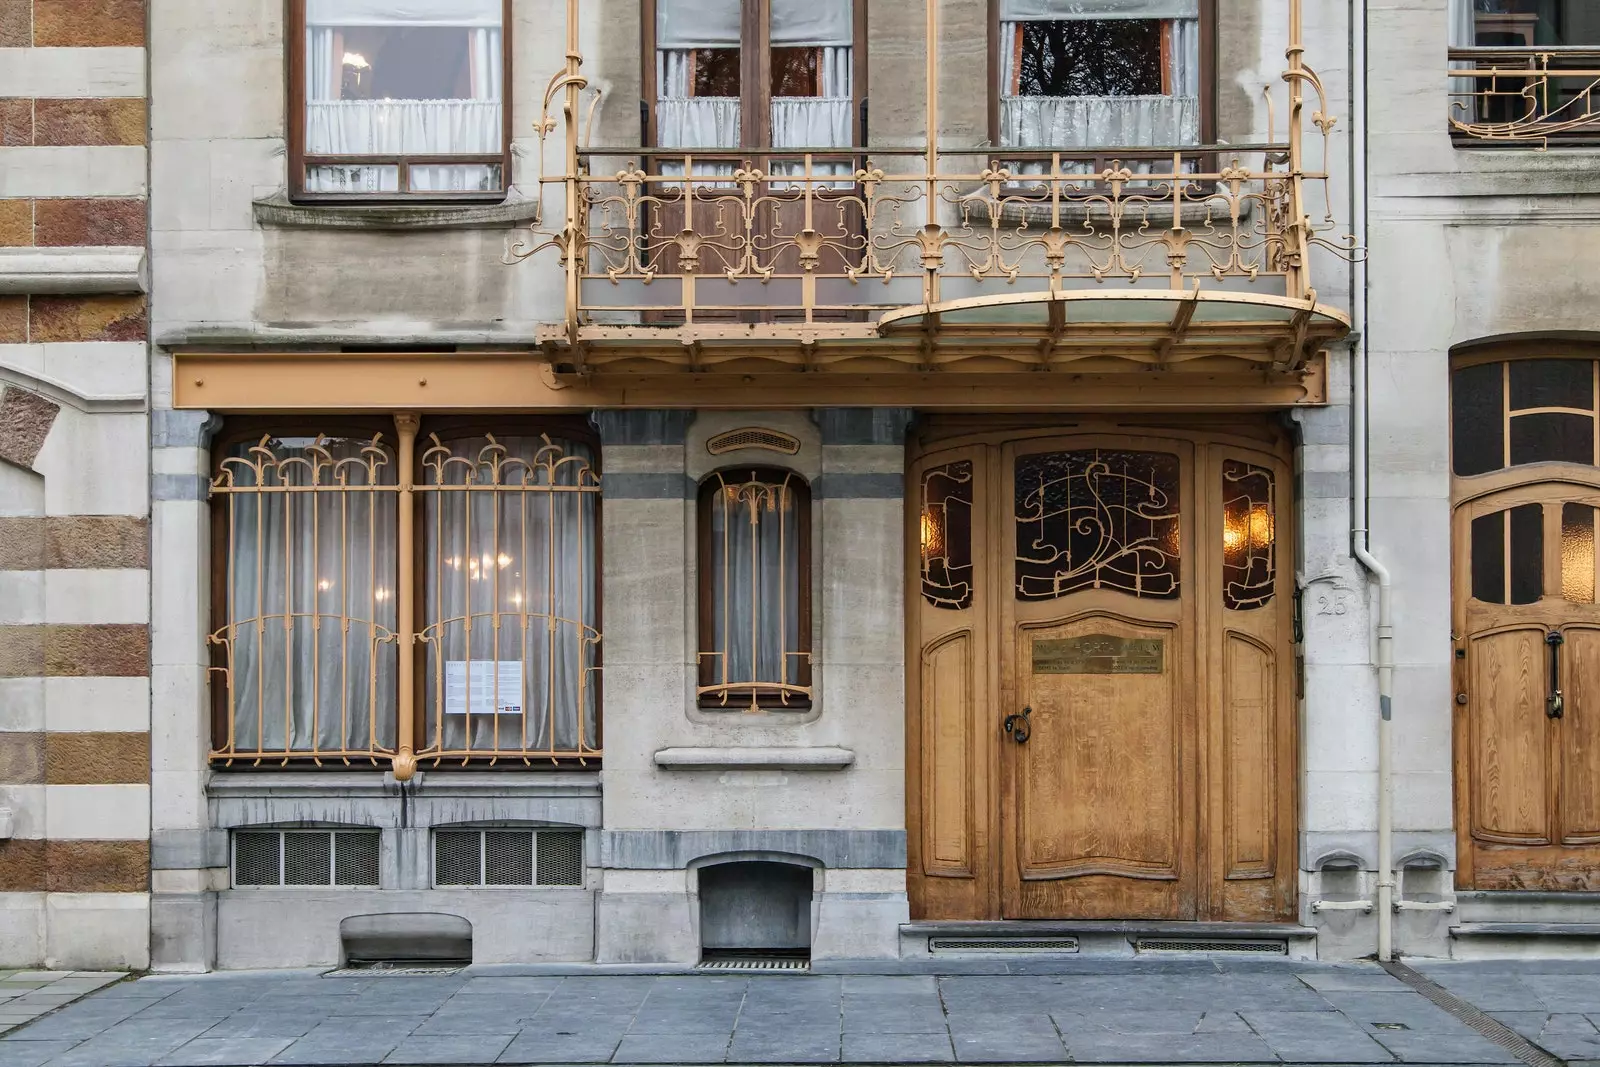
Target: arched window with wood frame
755 590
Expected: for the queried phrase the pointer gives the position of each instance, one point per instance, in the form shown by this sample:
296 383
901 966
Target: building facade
663 482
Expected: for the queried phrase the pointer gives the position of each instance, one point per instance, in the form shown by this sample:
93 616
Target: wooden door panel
1509 738
1578 739
1250 738
1100 779
948 715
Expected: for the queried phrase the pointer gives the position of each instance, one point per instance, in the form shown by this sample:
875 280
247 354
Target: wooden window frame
1208 78
250 428
299 160
706 589
755 77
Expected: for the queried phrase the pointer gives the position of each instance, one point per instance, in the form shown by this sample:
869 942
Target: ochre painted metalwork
1097 519
325 627
940 258
1528 96
947 567
1249 551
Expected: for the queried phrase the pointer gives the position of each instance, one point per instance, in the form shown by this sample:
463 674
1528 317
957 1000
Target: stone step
1526 906
1517 940
1118 938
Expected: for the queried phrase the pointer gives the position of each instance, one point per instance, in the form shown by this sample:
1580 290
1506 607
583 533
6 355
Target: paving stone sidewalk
1195 1010
26 995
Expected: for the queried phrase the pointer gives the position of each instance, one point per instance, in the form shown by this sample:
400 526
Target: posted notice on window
470 689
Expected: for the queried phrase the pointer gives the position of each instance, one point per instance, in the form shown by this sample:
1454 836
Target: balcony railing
825 236
1525 96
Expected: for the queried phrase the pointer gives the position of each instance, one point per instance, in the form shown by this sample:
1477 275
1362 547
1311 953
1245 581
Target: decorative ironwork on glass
754 649
510 600
1249 520
1097 519
947 536
308 644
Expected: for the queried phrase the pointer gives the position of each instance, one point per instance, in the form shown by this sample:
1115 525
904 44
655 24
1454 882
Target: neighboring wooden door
1528 689
1102 716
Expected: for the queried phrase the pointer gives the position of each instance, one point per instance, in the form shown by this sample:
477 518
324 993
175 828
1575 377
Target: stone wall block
25 421
14 318
16 121
119 121
22 758
88 23
114 650
16 222
97 542
90 221
87 318
97 758
16 23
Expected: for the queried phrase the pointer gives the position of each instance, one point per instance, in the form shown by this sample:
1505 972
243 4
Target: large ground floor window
420 587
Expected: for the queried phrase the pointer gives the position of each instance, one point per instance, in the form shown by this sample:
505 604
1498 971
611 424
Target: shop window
1086 74
308 556
399 100
1515 412
755 590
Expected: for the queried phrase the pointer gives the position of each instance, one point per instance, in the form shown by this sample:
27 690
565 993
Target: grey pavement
26 995
1186 1010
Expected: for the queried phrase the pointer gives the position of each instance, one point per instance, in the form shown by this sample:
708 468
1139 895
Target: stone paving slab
26 995
1063 1011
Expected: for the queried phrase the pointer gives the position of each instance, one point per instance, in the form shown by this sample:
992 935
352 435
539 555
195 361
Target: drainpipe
1359 530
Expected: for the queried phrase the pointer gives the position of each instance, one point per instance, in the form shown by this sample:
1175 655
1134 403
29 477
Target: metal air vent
271 858
753 437
1278 948
507 857
938 945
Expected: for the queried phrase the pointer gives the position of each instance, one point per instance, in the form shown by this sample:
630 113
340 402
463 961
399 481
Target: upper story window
399 98
1095 73
756 74
1525 70
314 560
1514 412
755 590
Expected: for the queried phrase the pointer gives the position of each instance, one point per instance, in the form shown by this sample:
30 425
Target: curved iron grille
946 536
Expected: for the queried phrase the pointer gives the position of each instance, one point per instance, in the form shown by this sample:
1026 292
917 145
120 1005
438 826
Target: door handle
1018 727
1554 705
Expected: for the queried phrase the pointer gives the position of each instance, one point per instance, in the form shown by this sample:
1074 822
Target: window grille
488 858
313 615
755 610
305 858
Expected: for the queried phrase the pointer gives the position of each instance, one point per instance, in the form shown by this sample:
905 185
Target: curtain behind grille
755 589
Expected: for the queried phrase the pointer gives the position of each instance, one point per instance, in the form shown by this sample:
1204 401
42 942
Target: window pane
510 595
1527 554
311 573
797 72
755 651
1552 438
1090 57
1552 383
1489 558
403 83
1248 535
716 72
1577 553
1524 23
456 178
1097 519
1477 408
947 536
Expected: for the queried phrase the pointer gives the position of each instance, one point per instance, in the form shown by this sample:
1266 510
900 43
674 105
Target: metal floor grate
1002 944
1270 948
395 970
755 963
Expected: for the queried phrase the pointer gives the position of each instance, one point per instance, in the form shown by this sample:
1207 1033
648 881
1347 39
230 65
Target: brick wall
74 485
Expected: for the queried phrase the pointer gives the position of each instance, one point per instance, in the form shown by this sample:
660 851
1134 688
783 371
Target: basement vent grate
272 858
1274 948
386 969
1002 944
755 964
508 857
753 437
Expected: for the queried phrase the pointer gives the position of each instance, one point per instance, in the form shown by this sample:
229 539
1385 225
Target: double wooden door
1528 688
1101 716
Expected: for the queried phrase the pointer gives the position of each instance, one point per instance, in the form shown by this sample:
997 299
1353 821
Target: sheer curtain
335 126
311 607
511 597
755 587
1072 122
1463 34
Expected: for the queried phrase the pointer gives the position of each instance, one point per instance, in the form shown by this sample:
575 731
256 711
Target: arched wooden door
1527 625
1102 711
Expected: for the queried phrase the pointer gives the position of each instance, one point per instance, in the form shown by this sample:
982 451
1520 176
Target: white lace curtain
1095 121
470 126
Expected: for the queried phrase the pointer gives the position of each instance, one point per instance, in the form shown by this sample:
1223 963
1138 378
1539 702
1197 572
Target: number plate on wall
1099 654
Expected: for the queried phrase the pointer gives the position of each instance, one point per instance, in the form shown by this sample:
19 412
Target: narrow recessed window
755 609
401 99
1508 556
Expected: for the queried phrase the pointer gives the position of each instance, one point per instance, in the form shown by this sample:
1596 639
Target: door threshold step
1492 929
1103 937
1512 940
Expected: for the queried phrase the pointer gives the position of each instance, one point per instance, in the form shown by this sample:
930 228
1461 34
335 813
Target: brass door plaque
1099 654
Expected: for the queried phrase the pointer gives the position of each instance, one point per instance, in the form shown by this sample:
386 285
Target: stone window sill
280 211
766 759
